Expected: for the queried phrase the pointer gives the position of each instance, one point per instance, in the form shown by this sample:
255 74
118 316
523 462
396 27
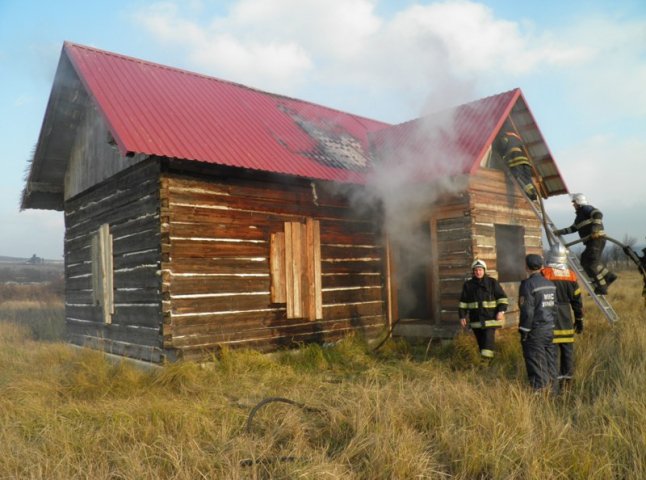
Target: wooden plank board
313 269
293 268
277 268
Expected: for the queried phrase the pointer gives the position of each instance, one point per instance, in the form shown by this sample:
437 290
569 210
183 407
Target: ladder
573 261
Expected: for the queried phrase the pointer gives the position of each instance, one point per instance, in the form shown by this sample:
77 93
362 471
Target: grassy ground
397 414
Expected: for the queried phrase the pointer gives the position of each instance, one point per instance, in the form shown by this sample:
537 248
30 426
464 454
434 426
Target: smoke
415 165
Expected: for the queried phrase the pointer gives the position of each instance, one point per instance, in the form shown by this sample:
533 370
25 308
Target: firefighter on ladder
568 301
510 148
484 303
588 222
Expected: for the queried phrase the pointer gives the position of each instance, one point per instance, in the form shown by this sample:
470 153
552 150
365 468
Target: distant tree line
30 273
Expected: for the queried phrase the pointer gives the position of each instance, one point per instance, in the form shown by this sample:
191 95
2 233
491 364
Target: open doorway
510 253
413 262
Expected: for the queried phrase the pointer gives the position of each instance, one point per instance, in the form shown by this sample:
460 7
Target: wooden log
212 265
368 294
204 284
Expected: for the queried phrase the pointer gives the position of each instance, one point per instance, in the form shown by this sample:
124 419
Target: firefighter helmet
579 199
557 255
479 264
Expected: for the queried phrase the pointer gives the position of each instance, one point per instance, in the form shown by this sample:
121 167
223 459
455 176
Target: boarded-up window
510 253
295 262
102 272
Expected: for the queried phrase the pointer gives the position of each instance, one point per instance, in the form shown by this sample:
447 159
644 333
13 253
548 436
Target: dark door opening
413 262
510 253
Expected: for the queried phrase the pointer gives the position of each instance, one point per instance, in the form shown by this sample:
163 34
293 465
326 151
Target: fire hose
630 253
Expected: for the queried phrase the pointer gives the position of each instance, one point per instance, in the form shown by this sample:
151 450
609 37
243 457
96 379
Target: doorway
412 257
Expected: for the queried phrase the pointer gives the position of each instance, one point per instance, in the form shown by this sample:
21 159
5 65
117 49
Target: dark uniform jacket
510 147
482 299
537 301
568 300
588 220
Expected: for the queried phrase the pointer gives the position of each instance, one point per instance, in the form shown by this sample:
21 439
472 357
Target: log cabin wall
452 242
127 205
496 203
216 266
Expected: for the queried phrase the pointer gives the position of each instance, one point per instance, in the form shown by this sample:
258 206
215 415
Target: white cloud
255 62
23 100
328 28
607 169
443 47
612 79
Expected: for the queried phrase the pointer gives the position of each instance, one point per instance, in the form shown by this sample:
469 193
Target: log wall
463 228
129 204
216 239
496 200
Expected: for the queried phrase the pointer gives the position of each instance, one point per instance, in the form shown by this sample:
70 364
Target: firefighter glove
578 325
595 235
523 335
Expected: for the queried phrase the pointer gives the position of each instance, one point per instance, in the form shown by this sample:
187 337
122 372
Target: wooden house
201 213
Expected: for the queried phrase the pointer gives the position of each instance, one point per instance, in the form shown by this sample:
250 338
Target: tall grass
398 413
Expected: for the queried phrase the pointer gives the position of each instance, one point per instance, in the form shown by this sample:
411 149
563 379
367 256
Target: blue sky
581 66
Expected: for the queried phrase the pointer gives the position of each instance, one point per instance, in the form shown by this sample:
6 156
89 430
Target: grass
398 413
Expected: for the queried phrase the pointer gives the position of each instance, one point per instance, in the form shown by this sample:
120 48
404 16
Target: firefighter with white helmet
588 223
483 302
568 301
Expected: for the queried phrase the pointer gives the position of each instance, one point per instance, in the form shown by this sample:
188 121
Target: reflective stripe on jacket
588 220
510 147
568 300
481 300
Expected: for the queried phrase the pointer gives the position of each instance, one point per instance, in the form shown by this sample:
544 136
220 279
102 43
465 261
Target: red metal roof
449 142
152 109
158 110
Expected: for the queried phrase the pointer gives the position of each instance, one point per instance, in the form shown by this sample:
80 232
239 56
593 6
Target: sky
580 64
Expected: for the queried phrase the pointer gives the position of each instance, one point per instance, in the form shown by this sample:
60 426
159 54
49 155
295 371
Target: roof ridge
68 44
460 105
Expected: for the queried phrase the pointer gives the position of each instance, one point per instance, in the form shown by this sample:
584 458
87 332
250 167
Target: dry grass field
398 413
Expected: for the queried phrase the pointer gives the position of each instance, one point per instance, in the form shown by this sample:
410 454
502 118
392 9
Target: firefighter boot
610 277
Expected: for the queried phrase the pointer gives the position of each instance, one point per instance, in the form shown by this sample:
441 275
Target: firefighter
485 303
537 303
568 300
588 222
510 148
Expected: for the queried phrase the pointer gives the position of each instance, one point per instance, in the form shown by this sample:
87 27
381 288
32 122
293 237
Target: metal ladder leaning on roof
573 261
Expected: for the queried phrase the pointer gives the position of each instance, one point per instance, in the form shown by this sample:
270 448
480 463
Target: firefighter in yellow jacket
568 301
484 302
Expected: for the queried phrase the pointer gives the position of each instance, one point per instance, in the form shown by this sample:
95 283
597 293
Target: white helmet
479 264
557 255
579 199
